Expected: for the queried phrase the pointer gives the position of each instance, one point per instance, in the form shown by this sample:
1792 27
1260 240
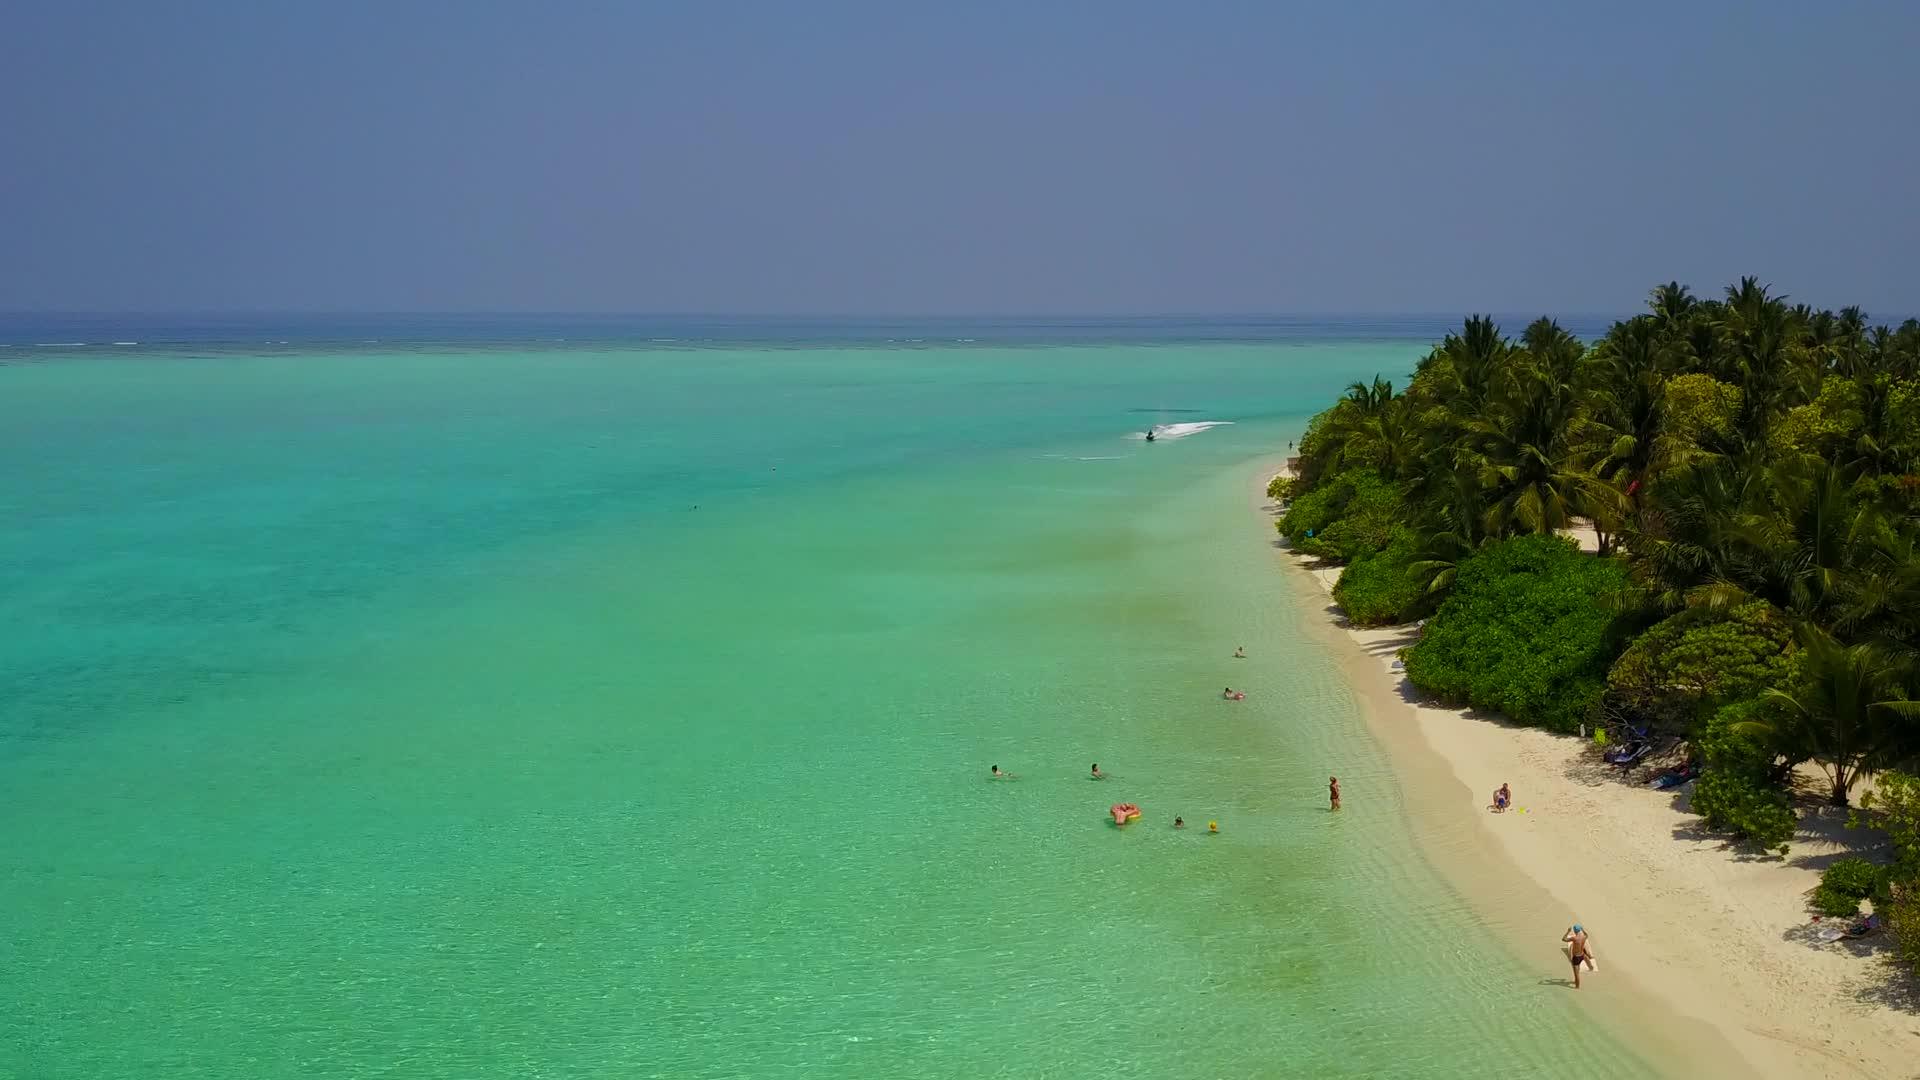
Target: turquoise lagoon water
556 711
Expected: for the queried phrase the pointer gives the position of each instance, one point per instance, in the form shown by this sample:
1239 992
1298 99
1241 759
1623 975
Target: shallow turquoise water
478 712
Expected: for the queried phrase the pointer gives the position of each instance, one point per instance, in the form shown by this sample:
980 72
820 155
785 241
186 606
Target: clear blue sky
901 157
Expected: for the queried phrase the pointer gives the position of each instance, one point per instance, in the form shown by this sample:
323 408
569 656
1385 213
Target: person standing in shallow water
1097 774
1333 792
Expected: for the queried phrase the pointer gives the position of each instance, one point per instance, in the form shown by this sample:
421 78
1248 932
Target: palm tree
1766 355
1850 713
1372 427
1525 445
1622 405
1390 439
1451 532
1673 305
1370 399
1878 445
1803 557
1552 352
1884 603
1689 539
1849 345
1470 363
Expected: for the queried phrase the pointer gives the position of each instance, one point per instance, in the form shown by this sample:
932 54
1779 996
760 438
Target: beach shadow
1890 984
1821 842
1695 831
1386 647
1824 839
1568 983
1820 839
1588 770
1413 695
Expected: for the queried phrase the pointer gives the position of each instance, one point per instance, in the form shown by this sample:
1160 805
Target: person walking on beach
1578 951
1333 792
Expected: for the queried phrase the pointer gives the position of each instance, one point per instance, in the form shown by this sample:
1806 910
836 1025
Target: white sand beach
1689 930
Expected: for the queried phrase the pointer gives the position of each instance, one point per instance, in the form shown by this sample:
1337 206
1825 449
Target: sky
979 158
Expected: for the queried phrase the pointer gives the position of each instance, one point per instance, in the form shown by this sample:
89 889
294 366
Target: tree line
1750 473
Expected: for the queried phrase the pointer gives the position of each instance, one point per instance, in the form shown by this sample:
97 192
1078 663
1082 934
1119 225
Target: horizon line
643 314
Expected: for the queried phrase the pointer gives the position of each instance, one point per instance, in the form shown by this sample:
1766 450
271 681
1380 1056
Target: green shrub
1367 522
1734 793
1894 805
1886 881
1350 515
1685 667
1728 744
1281 487
1380 588
1903 923
1317 445
1695 407
1851 877
1833 903
1825 426
1312 511
1524 632
1749 808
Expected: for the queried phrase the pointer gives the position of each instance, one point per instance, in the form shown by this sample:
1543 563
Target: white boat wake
1163 432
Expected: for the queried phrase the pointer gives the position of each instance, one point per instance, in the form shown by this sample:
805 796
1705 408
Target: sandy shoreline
1706 963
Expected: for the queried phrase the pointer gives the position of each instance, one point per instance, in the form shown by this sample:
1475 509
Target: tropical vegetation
1749 471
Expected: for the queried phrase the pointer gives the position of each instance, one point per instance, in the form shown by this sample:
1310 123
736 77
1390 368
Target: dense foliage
1524 631
1344 519
1690 664
1751 473
1380 588
1894 805
1737 793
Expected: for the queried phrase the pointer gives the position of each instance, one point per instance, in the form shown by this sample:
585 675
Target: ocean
525 697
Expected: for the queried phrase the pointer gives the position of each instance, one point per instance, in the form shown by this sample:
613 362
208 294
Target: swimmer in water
998 775
1239 652
1179 823
1230 695
1097 774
